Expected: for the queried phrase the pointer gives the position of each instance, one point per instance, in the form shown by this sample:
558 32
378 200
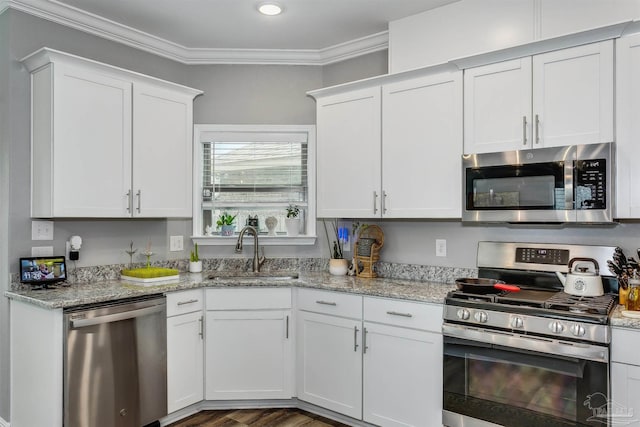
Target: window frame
204 133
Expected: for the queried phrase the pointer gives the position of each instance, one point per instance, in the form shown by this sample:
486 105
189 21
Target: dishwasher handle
108 318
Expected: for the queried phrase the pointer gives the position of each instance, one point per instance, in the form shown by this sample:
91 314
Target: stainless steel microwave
544 185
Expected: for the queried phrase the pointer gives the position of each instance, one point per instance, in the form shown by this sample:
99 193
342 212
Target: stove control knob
480 316
463 314
577 330
556 327
517 323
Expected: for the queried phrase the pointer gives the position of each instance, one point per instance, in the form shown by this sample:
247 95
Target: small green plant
293 211
194 254
226 219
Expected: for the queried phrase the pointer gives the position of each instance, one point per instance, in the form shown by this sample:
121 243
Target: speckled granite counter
618 320
110 290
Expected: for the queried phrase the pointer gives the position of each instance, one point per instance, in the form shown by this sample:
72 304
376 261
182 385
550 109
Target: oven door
492 378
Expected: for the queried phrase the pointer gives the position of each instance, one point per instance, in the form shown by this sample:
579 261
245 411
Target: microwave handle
569 171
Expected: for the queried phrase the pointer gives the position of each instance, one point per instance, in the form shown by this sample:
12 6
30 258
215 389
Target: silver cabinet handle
395 313
139 194
355 338
326 303
375 202
384 202
129 201
201 333
537 129
191 301
524 130
287 328
364 341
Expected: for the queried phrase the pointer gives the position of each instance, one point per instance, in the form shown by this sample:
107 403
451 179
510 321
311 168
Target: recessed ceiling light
270 9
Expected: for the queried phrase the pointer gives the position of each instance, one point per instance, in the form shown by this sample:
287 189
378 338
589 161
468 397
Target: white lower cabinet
185 349
249 351
373 359
625 376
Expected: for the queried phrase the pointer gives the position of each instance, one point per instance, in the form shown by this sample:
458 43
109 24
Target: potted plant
292 221
226 225
195 265
338 266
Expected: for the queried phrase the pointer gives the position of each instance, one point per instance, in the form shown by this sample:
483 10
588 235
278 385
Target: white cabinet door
625 394
348 154
185 363
162 152
497 107
627 126
421 147
81 143
248 355
402 376
329 362
573 95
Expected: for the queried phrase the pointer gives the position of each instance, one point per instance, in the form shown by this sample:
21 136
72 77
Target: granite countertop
618 320
110 290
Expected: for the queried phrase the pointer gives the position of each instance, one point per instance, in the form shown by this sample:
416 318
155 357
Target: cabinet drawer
403 313
334 303
184 302
624 346
248 298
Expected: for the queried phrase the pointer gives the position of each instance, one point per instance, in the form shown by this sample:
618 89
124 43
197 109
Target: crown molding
78 19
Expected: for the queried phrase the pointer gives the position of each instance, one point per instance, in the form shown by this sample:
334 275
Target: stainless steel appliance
558 184
537 357
115 363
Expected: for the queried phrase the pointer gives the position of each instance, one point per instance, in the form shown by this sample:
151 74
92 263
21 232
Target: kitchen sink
248 275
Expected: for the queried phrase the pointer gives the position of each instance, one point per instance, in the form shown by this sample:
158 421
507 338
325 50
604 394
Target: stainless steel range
535 357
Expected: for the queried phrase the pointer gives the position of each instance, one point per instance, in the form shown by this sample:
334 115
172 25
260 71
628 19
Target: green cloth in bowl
148 273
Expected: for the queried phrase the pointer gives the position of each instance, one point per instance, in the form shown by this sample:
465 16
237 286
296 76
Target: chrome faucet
257 261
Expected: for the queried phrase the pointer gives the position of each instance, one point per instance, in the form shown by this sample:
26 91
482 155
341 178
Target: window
254 172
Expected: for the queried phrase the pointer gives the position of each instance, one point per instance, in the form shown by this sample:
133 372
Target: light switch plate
42 251
441 247
176 244
41 230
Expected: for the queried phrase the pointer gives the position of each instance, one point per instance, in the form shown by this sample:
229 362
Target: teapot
580 281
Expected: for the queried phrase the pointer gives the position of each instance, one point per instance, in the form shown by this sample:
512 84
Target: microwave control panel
590 183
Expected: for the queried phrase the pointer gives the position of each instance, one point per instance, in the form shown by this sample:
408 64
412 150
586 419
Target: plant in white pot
292 221
338 266
195 264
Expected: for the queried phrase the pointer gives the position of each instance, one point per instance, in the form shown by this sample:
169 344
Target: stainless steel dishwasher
115 368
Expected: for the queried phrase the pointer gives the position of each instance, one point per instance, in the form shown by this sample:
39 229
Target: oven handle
539 344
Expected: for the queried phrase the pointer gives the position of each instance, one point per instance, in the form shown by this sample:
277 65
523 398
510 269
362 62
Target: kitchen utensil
580 281
484 286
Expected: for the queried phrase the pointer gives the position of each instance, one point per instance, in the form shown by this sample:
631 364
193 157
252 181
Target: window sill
263 240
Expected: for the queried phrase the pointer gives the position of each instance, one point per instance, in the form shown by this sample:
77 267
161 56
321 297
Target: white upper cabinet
384 150
553 99
107 142
421 147
627 126
348 154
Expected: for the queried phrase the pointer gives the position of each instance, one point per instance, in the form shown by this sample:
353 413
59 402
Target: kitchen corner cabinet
249 344
185 349
398 140
627 126
107 142
553 99
625 374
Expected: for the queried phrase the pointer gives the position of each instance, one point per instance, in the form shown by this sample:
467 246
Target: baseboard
3 423
210 405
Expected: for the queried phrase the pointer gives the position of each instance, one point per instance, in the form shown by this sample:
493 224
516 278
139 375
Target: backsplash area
385 270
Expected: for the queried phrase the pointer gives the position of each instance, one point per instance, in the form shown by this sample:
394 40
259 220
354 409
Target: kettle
580 281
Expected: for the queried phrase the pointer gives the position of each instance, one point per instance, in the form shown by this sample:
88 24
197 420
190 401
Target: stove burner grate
579 304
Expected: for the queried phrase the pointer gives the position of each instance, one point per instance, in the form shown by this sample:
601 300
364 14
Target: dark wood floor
256 418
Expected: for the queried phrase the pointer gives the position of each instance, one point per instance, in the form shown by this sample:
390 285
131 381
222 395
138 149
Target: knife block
368 261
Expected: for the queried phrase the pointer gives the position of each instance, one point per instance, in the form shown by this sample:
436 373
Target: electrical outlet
41 230
441 247
176 244
42 251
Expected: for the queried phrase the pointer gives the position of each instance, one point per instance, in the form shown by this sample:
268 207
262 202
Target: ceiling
232 31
